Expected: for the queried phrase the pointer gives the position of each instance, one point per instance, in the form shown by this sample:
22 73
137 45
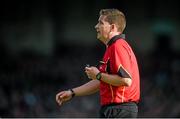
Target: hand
91 72
63 96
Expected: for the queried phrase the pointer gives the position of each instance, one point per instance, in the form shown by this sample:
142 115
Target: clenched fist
63 96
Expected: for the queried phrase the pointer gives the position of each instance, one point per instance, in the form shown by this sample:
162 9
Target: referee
117 77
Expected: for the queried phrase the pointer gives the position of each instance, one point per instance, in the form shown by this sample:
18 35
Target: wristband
73 94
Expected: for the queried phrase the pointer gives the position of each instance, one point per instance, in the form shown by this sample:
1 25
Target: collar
113 39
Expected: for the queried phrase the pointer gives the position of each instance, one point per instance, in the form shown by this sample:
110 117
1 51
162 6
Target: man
117 76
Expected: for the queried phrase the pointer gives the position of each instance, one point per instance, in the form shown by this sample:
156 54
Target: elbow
128 82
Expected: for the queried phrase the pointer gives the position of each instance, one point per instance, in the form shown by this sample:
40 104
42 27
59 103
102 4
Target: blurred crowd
29 82
160 80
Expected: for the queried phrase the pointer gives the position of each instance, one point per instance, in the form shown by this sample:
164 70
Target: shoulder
121 43
121 46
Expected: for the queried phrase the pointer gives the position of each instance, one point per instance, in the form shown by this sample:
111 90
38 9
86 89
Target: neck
112 34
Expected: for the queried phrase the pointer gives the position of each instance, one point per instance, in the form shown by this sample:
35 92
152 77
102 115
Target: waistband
122 104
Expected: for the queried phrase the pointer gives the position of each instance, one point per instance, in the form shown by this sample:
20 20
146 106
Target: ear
113 27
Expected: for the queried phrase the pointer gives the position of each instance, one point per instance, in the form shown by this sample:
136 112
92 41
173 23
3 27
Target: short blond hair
114 16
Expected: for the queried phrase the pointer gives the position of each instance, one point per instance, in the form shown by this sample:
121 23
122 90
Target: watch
98 76
73 94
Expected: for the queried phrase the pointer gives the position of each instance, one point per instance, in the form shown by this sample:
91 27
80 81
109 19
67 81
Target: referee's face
103 29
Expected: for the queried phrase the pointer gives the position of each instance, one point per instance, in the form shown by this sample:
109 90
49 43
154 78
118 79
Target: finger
60 102
62 98
87 65
87 72
88 76
63 95
87 68
58 95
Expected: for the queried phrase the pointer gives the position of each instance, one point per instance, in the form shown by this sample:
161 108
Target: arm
86 89
115 80
112 79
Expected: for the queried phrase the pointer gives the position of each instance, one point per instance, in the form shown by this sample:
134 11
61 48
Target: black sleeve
122 73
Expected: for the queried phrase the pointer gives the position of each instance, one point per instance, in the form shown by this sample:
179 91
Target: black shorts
128 110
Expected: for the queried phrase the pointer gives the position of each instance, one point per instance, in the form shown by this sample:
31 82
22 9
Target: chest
105 63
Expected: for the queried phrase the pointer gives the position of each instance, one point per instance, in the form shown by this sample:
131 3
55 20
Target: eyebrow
100 21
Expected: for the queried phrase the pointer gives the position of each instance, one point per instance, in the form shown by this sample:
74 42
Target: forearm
115 80
87 89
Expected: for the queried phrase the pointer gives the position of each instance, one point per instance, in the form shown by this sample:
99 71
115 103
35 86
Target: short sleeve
120 60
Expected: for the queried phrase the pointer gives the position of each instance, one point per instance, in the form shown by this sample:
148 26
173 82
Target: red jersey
119 59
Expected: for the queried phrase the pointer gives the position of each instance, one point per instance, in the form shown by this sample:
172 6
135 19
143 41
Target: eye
100 22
